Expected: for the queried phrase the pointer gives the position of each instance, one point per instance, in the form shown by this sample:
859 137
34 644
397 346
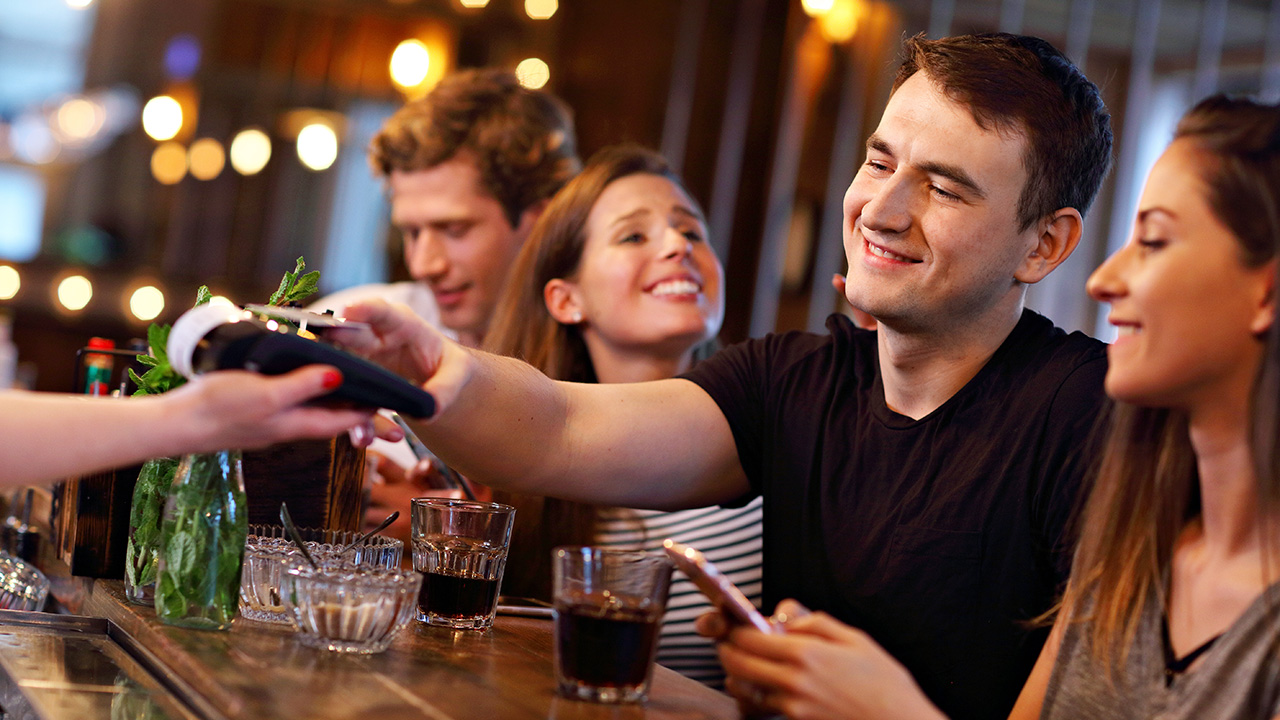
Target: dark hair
522 327
1147 487
1024 85
522 140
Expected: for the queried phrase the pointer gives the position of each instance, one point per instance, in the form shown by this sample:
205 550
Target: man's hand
407 345
819 668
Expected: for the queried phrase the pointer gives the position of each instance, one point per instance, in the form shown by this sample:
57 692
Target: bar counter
259 671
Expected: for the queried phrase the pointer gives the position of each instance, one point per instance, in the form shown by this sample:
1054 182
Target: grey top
1238 677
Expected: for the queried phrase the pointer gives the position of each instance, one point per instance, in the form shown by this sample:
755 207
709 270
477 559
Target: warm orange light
250 151
816 8
840 22
169 163
410 63
79 119
533 73
162 117
317 146
146 303
541 9
10 282
206 159
75 292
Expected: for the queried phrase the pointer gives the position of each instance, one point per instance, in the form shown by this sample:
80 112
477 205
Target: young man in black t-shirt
917 479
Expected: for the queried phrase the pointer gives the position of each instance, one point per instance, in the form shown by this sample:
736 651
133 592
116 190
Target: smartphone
722 593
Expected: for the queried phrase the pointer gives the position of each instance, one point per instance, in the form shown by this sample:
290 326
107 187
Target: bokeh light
162 117
85 244
317 146
169 163
410 63
182 57
541 9
250 151
533 73
839 23
79 119
32 140
10 282
473 3
147 302
815 8
75 292
206 159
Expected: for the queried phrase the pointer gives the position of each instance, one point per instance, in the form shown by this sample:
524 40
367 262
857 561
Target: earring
577 317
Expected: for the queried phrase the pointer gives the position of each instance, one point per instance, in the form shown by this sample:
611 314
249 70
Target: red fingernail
332 379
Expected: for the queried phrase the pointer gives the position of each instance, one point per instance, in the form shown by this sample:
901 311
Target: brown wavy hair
523 328
522 140
1023 85
1148 485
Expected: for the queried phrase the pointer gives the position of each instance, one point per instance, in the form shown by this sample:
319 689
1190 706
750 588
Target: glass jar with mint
202 534
157 475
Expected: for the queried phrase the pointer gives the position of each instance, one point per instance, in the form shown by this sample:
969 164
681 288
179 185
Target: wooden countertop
258 671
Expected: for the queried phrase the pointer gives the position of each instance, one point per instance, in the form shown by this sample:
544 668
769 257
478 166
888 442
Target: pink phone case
724 594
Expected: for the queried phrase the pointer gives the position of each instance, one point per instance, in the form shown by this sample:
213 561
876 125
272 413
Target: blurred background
149 146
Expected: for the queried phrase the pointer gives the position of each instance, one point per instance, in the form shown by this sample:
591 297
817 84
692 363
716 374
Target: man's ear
1265 313
529 217
563 303
1057 237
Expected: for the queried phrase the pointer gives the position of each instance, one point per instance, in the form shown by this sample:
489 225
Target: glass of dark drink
460 547
608 613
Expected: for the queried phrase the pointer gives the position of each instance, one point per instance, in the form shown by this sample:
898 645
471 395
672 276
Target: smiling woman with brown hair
617 283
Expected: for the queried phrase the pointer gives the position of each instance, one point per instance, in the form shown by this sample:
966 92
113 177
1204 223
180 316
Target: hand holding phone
722 593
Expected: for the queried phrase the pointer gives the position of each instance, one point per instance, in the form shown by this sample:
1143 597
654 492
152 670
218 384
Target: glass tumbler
608 615
460 547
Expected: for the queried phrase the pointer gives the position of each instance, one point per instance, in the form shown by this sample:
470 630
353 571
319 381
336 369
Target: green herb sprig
160 376
295 286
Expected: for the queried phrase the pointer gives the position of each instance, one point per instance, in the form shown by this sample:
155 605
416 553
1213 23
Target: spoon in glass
295 536
381 526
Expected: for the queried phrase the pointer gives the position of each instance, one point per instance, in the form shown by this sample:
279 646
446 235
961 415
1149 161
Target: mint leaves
144 521
296 287
161 377
203 533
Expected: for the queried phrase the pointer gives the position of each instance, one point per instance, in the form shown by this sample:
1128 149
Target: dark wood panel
320 479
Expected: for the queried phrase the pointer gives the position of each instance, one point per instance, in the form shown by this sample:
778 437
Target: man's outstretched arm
662 444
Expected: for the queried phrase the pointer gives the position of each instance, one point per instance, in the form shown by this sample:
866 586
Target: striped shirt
728 537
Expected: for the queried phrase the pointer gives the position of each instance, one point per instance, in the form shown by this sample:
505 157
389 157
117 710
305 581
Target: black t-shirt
940 537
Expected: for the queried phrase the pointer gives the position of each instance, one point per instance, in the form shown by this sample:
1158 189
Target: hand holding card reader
224 337
723 594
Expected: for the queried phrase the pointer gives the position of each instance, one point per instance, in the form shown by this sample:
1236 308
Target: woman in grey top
1173 608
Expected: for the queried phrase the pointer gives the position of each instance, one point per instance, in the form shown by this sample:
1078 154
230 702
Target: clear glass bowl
351 608
22 585
268 555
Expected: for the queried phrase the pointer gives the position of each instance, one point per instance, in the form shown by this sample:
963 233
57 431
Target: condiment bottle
97 367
